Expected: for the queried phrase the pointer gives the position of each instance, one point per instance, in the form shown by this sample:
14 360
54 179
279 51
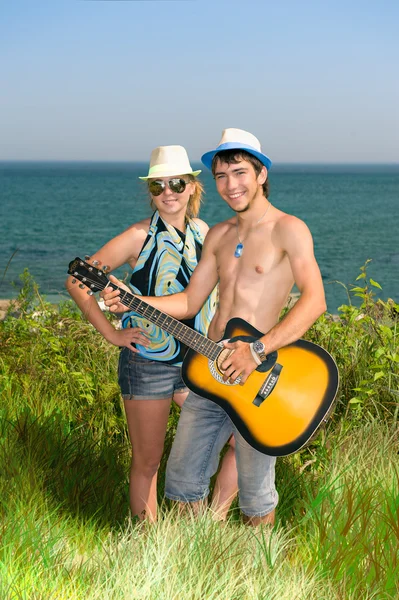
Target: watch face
259 346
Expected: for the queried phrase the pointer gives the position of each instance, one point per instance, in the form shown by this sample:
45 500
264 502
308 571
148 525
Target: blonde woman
162 251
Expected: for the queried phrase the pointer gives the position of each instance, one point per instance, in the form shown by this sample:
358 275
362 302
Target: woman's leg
226 485
147 421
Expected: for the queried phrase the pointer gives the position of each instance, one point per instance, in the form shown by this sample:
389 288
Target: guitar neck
180 331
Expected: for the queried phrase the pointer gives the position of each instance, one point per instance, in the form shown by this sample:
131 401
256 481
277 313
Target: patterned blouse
164 266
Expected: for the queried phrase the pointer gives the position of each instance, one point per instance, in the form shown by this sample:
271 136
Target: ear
192 184
262 176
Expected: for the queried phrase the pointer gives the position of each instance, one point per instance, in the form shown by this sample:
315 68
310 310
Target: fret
180 331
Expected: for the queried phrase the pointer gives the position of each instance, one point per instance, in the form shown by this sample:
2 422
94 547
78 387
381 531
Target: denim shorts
202 431
143 379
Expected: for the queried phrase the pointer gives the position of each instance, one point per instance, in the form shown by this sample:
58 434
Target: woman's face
170 200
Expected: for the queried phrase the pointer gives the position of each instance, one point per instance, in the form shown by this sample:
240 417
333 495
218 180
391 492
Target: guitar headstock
92 277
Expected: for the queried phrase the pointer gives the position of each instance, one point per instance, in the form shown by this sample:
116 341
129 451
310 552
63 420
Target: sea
51 212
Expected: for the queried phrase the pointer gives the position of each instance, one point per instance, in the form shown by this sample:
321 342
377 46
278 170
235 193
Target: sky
315 81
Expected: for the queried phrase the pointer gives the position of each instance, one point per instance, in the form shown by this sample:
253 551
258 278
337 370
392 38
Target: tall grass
65 529
342 543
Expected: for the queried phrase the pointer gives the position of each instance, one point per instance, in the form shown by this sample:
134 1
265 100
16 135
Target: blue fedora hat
237 139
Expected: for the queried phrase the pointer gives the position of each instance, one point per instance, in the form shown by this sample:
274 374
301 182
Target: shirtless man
256 256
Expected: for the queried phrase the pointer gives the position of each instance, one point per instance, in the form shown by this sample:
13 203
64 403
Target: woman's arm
125 248
187 303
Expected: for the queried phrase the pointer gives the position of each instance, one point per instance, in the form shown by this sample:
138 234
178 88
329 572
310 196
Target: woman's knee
146 466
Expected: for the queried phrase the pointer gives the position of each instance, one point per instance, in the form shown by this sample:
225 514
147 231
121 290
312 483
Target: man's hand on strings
240 362
111 297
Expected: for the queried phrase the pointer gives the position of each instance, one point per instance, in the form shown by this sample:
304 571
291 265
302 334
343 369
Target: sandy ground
4 304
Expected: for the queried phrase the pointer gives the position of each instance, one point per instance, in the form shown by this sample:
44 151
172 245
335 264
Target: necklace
240 246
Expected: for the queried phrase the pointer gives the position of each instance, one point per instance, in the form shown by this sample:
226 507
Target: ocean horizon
52 211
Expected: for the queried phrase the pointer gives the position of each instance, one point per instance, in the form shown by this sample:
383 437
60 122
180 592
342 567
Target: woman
163 251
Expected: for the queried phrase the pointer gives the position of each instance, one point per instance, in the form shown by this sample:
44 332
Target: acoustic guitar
282 403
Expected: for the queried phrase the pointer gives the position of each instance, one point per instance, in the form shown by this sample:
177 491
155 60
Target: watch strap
255 355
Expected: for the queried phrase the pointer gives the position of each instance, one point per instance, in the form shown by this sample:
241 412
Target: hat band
236 146
159 169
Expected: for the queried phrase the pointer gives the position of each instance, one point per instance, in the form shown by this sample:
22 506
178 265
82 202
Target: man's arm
296 240
188 303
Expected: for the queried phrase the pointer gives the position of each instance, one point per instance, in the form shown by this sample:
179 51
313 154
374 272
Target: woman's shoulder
134 236
142 225
202 226
140 229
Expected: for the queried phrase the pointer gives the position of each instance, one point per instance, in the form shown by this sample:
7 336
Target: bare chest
250 259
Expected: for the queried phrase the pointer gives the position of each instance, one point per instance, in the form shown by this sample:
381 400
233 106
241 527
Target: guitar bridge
269 384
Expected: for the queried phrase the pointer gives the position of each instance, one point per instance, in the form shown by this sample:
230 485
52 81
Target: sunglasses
158 186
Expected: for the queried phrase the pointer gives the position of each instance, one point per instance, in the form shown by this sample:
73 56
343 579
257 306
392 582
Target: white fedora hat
169 161
237 139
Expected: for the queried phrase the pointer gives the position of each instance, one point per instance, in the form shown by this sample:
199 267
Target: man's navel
259 269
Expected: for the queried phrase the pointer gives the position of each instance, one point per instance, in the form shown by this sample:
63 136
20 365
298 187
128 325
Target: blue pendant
239 249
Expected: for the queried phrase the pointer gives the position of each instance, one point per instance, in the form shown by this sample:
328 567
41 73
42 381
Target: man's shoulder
287 224
291 233
223 227
216 233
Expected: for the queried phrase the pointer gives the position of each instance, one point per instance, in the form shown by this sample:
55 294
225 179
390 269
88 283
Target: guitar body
282 404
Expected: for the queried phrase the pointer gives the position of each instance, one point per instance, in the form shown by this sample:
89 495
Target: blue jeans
203 430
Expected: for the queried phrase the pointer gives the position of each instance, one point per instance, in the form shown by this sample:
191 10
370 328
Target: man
256 256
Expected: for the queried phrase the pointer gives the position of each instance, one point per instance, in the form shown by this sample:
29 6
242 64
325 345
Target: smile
235 196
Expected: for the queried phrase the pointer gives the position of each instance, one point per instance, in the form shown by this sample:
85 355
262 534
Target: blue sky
110 80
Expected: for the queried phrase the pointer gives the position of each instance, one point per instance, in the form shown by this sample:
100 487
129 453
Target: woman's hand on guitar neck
112 297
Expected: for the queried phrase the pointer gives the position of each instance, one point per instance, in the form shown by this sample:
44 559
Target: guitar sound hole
221 358
215 369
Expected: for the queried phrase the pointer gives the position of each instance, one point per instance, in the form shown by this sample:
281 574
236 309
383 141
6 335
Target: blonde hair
193 206
194 203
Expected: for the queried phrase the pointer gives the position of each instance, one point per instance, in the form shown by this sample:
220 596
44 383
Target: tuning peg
90 293
105 268
74 280
87 257
95 262
82 286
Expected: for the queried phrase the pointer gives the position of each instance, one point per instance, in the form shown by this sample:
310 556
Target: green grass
340 539
65 529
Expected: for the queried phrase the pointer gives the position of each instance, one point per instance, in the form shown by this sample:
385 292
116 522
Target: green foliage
64 455
364 342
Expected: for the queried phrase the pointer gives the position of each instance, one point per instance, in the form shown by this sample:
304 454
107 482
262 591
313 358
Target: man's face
238 183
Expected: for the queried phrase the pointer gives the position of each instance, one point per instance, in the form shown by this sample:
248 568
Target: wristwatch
259 348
